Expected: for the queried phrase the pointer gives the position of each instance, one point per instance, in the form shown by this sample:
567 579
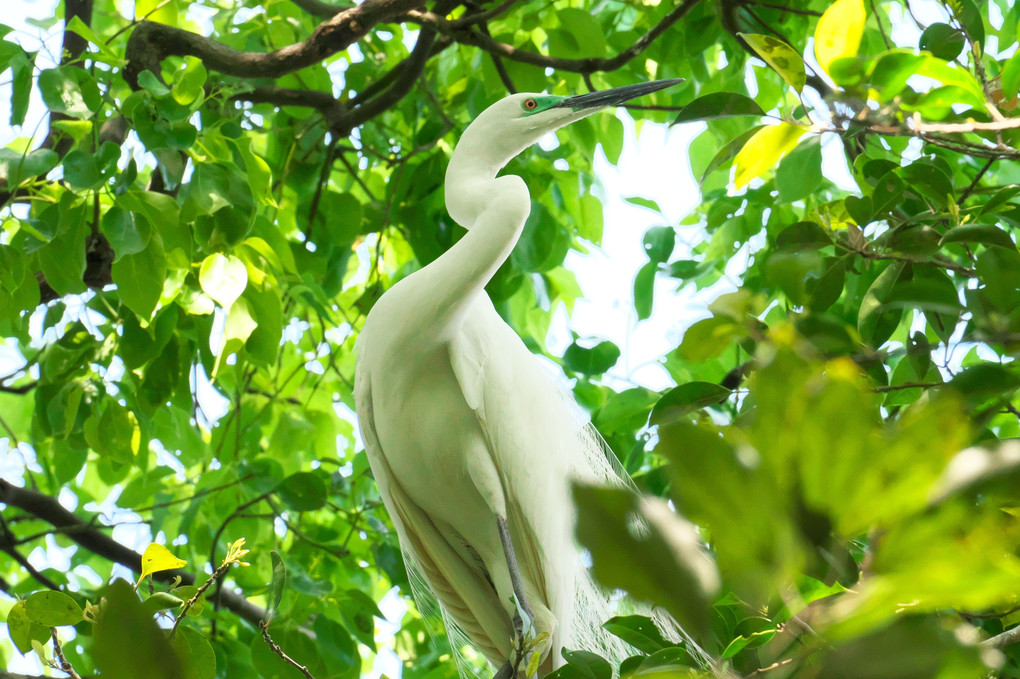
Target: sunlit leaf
763 151
158 558
839 31
223 277
780 56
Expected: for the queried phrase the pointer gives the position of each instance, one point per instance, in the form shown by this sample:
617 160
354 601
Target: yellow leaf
160 11
158 558
763 150
839 32
780 56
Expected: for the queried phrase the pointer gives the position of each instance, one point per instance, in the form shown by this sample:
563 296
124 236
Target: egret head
516 122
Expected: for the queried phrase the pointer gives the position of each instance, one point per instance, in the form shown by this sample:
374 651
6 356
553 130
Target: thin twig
217 574
63 664
275 648
907 385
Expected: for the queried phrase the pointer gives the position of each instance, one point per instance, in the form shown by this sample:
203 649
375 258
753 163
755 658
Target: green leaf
664 565
278 584
81 170
16 167
128 232
336 644
161 601
659 242
223 277
189 82
63 258
52 609
71 91
643 202
590 665
780 56
185 593
195 653
22 67
638 631
967 13
644 290
22 630
978 233
687 398
710 337
125 624
735 646
260 179
718 105
826 290
791 271
930 294
303 491
591 225
803 236
800 173
942 40
153 85
688 269
263 344
986 379
1010 77
593 361
728 152
873 323
139 278
585 29
76 25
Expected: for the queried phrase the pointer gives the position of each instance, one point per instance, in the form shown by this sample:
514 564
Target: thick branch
410 70
591 65
150 43
317 8
49 510
71 50
323 102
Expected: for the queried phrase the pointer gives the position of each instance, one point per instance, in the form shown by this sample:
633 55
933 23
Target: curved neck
478 158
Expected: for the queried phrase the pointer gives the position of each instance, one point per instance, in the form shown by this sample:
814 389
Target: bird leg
510 669
511 564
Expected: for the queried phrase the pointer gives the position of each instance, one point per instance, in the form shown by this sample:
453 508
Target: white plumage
463 427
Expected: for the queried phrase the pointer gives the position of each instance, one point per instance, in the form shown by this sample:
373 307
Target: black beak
617 95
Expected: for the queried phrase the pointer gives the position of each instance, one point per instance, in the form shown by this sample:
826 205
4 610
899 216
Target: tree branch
63 664
150 43
478 39
1007 638
48 509
410 69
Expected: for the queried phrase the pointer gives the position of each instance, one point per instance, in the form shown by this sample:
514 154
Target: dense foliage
217 193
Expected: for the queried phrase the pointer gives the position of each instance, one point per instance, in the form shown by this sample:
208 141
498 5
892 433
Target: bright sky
653 165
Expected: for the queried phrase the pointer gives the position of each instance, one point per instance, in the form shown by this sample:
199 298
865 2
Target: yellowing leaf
839 31
763 150
157 10
780 56
158 558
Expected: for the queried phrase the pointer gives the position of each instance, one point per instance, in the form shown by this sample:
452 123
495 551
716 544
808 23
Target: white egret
471 442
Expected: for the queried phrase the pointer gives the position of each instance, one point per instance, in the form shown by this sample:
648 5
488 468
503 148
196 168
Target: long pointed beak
617 95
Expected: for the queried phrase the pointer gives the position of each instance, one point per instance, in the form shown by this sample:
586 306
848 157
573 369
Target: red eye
530 104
